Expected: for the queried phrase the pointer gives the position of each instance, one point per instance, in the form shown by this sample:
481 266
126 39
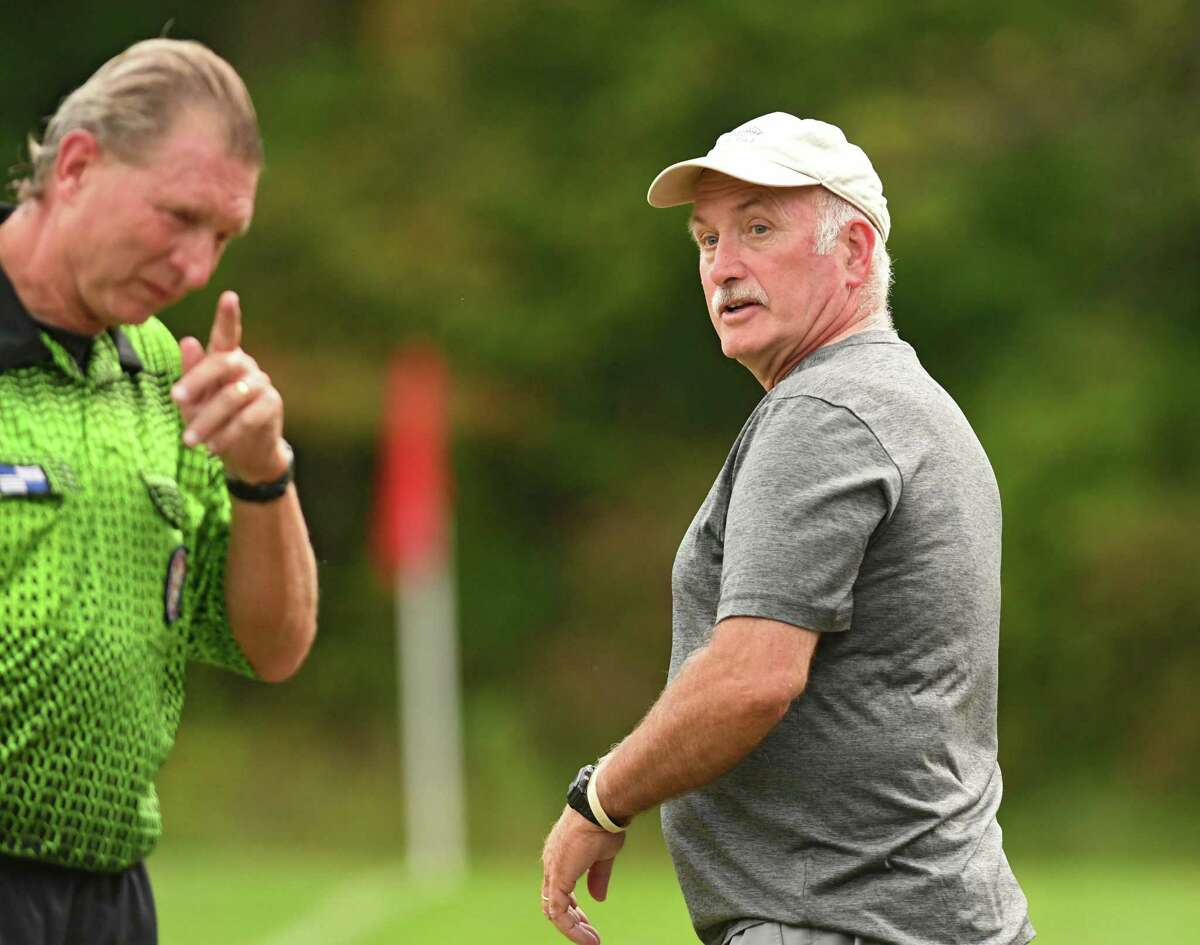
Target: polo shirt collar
20 340
21 343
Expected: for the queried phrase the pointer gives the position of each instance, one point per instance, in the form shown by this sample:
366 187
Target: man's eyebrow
236 226
751 201
210 217
755 200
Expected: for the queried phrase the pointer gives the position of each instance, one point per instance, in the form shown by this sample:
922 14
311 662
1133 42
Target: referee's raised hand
228 403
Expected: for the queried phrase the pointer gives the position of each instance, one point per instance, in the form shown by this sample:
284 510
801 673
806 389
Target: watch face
577 798
579 785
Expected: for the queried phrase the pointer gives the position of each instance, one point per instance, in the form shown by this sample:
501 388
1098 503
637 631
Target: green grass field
210 897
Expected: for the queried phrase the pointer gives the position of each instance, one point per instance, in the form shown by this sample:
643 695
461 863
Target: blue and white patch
23 480
173 586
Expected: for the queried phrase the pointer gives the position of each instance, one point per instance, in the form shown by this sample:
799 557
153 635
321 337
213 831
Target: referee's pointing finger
226 332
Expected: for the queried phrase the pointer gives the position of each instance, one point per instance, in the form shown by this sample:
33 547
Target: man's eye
707 241
184 217
759 229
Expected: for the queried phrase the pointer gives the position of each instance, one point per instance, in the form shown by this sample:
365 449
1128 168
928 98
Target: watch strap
264 491
593 796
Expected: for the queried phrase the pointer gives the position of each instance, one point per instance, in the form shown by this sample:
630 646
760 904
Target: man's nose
196 260
727 264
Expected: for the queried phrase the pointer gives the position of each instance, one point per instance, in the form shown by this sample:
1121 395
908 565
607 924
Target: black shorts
42 904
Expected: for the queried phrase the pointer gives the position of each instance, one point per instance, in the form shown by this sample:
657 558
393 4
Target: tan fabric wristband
594 802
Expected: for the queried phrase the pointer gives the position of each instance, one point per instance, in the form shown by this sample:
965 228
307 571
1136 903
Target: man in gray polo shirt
825 749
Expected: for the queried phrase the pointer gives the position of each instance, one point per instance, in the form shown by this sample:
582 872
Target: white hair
133 100
833 213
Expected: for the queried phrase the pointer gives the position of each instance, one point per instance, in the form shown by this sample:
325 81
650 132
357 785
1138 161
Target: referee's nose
195 259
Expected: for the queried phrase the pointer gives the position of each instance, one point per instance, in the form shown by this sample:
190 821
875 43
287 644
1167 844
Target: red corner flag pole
412 547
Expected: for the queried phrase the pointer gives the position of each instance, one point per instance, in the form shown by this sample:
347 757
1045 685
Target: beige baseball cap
781 150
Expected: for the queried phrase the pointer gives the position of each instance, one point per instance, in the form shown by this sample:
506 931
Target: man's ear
78 152
859 247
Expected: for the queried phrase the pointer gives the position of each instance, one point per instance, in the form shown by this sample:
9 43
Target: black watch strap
577 793
266 491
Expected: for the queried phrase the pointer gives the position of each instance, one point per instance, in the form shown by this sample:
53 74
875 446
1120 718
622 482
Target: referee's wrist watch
264 491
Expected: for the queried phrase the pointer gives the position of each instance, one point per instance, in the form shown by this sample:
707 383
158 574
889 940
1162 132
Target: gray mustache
727 296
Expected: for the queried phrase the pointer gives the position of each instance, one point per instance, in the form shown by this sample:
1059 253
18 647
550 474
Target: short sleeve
210 637
201 476
811 487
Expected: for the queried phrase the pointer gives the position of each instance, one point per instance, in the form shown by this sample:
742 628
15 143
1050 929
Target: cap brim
677 184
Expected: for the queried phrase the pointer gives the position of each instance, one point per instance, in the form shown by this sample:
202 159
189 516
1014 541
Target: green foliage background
473 173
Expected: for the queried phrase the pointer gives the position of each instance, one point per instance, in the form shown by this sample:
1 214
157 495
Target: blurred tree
474 173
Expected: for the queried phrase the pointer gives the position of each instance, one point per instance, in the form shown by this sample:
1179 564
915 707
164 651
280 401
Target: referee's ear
78 152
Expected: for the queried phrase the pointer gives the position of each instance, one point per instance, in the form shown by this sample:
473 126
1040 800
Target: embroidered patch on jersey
167 498
23 480
173 586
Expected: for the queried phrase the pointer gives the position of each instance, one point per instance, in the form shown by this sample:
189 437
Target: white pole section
430 722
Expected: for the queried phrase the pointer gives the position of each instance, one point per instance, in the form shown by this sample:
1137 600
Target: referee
147 515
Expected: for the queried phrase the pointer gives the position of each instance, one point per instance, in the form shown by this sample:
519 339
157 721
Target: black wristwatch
577 798
266 491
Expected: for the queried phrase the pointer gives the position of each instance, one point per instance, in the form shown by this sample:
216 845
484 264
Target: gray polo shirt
856 502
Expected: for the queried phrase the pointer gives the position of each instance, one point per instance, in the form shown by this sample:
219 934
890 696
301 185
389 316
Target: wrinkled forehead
197 171
718 193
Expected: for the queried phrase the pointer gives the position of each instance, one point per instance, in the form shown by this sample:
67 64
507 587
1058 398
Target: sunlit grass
268 898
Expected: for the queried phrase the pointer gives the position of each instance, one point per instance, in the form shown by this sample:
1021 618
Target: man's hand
228 403
574 847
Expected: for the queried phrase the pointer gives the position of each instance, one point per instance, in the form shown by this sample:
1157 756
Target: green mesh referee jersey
113 540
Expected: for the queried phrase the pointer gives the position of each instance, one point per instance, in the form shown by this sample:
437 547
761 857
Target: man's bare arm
725 701
271 585
230 404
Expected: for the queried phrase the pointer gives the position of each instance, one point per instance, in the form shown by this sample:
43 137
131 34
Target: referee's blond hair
132 101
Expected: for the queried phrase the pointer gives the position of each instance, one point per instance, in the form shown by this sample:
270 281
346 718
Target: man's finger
558 903
584 920
545 896
191 351
574 925
223 416
598 878
212 373
226 332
